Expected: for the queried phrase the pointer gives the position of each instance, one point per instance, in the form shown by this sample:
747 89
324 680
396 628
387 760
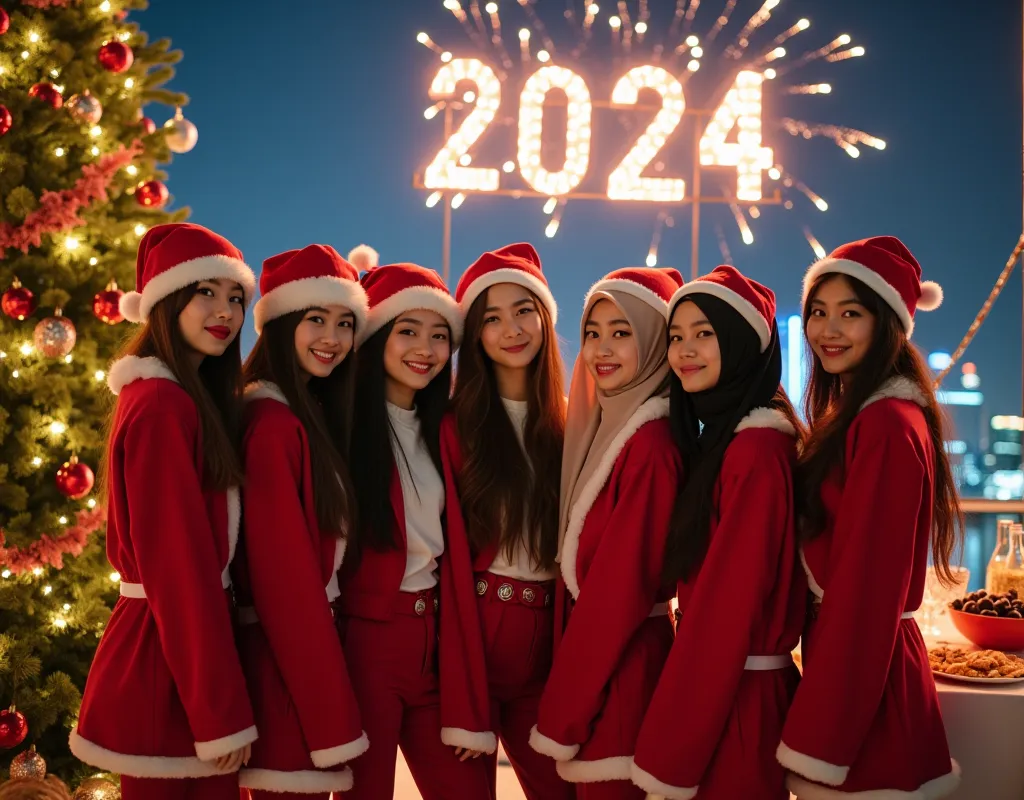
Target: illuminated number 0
577 130
741 107
444 171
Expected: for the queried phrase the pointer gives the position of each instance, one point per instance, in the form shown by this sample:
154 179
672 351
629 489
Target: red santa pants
393 668
518 624
262 794
217 787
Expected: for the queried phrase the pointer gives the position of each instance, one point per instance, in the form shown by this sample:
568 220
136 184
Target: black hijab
703 424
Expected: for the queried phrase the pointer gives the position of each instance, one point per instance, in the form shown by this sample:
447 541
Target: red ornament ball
152 194
5 21
106 304
47 93
115 56
55 336
28 765
75 479
6 120
18 302
148 125
13 728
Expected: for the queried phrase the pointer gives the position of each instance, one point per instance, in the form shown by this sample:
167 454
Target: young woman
876 491
730 677
390 586
165 703
620 470
298 509
504 441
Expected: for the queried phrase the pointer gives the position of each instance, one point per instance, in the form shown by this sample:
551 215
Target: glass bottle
1010 573
997 563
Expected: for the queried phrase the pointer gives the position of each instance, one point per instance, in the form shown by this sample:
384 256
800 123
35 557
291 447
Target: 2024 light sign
740 108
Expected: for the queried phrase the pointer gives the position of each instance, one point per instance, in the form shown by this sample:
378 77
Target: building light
958 398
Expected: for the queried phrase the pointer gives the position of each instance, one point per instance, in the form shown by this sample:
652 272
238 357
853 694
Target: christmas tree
79 185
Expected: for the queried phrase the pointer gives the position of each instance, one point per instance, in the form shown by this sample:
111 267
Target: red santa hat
514 263
653 285
753 301
177 255
885 265
396 288
316 275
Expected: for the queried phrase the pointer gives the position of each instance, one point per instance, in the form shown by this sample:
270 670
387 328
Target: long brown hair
323 406
215 388
830 409
503 489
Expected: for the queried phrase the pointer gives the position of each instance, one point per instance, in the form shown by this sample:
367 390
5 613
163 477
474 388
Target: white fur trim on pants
306 781
138 766
332 756
547 746
935 789
616 768
653 786
216 748
810 767
484 741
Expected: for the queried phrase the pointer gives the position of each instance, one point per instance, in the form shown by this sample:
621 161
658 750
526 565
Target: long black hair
372 435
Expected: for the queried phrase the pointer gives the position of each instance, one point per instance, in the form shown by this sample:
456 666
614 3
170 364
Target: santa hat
313 276
396 288
177 255
514 263
753 301
653 285
886 266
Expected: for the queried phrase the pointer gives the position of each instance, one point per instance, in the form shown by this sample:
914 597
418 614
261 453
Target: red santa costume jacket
730 675
288 644
370 589
865 722
165 693
610 655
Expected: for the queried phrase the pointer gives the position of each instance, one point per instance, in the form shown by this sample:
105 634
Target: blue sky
311 127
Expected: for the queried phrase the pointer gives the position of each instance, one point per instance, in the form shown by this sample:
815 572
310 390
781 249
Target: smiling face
213 317
693 351
609 349
323 338
512 332
417 348
839 327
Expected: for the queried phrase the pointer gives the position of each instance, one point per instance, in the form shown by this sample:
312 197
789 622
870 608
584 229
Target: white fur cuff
307 781
207 751
652 785
549 747
484 741
340 754
810 767
616 768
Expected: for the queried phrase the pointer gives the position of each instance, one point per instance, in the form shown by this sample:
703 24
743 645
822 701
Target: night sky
311 127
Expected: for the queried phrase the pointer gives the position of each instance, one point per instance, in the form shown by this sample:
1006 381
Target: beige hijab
594 418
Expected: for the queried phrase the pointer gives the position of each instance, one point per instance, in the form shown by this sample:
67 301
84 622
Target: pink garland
49 3
58 211
50 550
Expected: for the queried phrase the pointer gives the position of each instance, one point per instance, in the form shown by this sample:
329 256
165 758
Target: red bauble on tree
55 336
13 728
106 304
5 21
148 125
47 93
18 302
75 479
115 56
152 194
6 120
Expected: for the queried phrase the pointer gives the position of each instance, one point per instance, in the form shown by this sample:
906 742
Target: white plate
969 679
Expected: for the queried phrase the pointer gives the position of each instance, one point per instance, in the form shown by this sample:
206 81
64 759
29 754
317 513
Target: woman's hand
233 761
464 753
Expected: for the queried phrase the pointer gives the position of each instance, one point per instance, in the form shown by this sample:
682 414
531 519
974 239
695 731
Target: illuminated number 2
625 182
444 171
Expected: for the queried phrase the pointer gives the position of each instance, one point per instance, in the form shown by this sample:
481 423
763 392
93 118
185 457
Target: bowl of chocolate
991 621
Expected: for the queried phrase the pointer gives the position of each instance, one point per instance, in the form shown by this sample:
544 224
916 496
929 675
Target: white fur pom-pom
130 306
363 257
931 296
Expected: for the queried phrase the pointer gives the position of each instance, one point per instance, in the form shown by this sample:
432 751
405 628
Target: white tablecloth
983 725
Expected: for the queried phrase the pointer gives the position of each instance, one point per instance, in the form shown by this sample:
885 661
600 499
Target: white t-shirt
423 497
521 566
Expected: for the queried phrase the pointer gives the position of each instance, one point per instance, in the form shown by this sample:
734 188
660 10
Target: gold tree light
702 72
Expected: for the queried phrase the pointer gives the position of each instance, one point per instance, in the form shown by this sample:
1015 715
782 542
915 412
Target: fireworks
715 65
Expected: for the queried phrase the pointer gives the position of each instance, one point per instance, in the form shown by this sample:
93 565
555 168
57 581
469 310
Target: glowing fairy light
809 88
550 205
433 199
458 200
508 167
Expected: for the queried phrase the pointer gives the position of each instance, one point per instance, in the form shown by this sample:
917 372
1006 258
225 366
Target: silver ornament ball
85 107
55 336
96 789
182 135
